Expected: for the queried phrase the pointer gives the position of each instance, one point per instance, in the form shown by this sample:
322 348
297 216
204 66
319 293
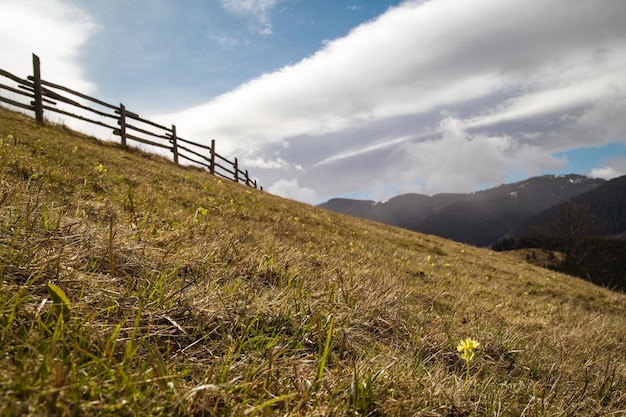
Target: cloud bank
432 96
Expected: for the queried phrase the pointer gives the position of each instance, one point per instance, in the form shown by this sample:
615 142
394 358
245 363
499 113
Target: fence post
236 171
247 178
38 103
122 123
175 144
212 165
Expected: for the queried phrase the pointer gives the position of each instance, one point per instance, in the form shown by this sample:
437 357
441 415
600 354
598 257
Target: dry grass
189 295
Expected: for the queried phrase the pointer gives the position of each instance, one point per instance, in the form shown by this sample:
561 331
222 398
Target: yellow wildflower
467 347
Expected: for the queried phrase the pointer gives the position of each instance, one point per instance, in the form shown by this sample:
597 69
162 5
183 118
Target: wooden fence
130 127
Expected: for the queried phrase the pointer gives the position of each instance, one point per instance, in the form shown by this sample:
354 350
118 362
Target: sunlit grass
131 286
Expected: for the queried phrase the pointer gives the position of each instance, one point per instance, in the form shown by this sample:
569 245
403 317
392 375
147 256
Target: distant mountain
480 218
589 232
606 202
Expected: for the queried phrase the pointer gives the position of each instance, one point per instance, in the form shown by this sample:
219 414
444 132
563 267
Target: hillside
587 231
479 218
608 202
132 286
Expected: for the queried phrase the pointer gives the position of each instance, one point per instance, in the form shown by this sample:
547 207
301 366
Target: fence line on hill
130 126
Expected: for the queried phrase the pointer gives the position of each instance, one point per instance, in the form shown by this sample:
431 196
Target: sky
362 99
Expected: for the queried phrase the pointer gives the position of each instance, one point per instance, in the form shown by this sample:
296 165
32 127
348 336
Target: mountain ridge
479 218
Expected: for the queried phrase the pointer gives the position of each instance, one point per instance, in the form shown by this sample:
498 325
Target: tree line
580 243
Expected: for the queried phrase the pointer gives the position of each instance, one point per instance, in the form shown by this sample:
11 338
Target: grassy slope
194 295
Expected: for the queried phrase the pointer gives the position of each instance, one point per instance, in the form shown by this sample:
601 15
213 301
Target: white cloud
253 7
54 30
548 101
431 96
351 153
457 161
226 41
605 117
607 173
611 167
257 9
259 162
388 68
292 190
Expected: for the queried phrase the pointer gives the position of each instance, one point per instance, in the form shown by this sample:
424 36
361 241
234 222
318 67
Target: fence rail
129 126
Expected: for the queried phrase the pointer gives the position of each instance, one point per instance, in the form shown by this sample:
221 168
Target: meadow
133 286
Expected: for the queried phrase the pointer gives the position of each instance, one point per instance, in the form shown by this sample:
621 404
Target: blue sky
368 99
188 54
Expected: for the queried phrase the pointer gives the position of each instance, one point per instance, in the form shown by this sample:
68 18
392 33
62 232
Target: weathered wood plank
17 104
193 160
76 116
77 94
10 76
174 141
199 145
193 152
37 89
146 132
117 132
16 90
